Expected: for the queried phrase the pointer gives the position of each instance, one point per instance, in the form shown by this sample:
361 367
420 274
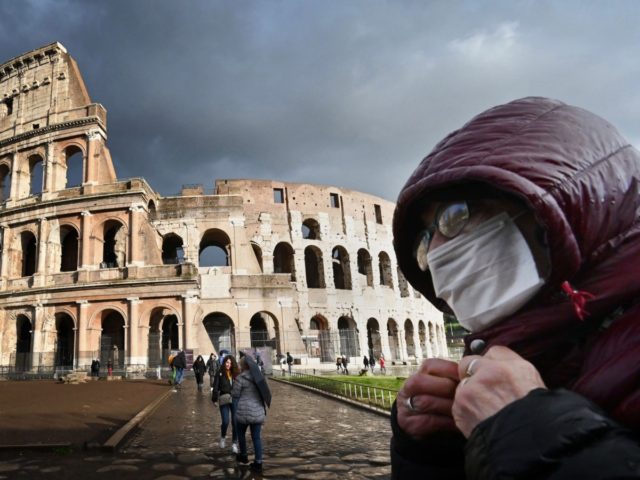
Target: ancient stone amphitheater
96 267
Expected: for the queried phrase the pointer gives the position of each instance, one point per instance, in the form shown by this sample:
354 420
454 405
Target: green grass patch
392 383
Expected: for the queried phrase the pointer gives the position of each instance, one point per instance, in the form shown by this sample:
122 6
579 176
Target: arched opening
283 260
172 249
314 267
23 344
394 338
64 341
408 335
364 266
35 175
215 249
403 285
384 263
114 247
341 269
68 249
28 259
348 336
5 182
373 338
151 207
74 161
261 335
319 342
221 331
257 251
311 229
163 336
112 339
422 337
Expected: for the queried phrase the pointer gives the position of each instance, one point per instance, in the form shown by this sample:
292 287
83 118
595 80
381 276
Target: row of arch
33 175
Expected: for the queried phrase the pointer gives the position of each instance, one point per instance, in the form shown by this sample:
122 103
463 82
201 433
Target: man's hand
425 400
489 383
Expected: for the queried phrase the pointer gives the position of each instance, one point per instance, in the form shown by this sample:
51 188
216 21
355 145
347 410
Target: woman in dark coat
221 394
199 367
525 224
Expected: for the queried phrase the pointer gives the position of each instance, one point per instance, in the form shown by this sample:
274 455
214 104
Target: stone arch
28 252
65 340
373 338
394 338
24 341
283 260
73 166
432 339
163 335
408 336
172 249
384 265
365 266
348 333
112 337
151 208
215 249
319 341
68 248
257 251
314 267
35 164
311 229
341 268
403 285
264 330
114 243
221 331
5 181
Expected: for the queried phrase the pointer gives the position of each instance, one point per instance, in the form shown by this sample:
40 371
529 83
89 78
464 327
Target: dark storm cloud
349 93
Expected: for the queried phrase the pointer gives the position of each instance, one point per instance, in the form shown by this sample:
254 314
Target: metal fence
377 397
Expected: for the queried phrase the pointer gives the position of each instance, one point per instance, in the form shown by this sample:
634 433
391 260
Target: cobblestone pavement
306 436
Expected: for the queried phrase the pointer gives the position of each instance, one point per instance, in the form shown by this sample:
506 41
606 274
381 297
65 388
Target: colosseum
96 267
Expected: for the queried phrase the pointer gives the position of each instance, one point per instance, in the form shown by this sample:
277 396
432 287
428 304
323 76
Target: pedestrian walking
381 361
345 364
212 368
251 392
339 364
289 361
180 363
372 362
221 395
524 223
199 368
109 367
365 362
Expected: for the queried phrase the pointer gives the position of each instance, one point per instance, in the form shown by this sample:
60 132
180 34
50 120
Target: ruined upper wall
42 88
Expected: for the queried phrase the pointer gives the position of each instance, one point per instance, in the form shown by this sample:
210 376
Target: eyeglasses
450 219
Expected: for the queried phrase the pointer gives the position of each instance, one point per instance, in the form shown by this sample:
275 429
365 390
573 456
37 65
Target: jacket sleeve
552 435
237 387
439 456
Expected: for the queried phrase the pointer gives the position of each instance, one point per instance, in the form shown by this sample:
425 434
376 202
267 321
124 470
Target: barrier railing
378 397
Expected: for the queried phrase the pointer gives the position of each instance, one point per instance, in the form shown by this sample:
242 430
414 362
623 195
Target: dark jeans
255 428
227 411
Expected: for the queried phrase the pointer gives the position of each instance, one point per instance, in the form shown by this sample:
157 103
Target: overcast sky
346 93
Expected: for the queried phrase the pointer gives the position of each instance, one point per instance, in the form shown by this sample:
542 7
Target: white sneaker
234 447
223 442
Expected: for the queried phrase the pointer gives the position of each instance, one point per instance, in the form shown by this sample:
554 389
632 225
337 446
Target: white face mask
485 275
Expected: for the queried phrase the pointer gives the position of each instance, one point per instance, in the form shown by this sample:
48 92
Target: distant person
109 368
172 380
345 364
180 363
212 368
251 413
381 361
199 368
221 395
339 364
365 362
372 363
289 361
97 367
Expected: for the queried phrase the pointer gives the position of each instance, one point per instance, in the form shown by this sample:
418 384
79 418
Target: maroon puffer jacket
580 178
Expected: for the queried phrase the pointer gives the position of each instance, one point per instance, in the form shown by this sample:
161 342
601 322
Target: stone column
135 255
133 354
4 268
402 344
15 179
36 328
49 171
87 225
188 310
83 357
89 168
41 256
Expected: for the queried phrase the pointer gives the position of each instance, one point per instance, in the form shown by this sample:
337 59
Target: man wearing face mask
525 224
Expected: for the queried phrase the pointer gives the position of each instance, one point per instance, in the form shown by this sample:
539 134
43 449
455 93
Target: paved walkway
306 436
